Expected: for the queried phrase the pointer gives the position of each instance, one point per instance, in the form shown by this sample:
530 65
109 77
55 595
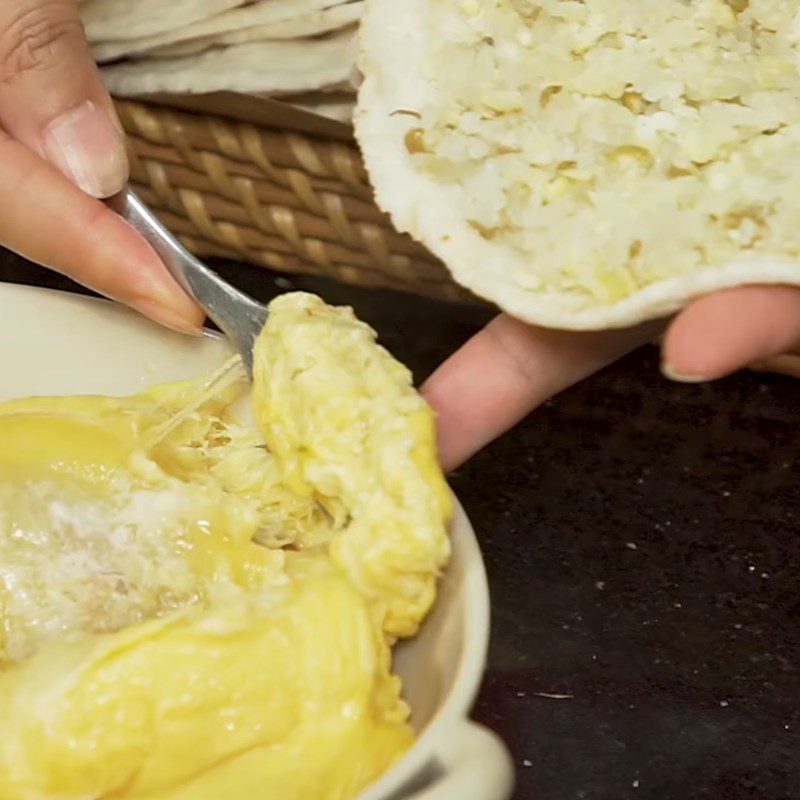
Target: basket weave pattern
284 200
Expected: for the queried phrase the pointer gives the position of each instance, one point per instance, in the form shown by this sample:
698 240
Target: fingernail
669 372
87 147
169 317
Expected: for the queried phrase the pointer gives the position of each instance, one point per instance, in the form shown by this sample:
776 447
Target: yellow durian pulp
191 608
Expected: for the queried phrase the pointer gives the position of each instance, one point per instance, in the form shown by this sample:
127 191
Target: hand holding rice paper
590 166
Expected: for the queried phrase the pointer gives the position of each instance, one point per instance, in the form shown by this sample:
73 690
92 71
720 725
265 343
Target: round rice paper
588 165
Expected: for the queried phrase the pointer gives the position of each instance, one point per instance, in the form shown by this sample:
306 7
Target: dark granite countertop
643 546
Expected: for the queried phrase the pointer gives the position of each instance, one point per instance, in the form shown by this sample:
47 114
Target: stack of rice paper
300 51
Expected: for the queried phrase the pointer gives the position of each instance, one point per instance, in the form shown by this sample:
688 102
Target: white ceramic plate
57 343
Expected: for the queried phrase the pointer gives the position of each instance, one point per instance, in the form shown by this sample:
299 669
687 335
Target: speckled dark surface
643 546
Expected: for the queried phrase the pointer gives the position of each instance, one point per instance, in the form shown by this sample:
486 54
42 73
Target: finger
507 370
722 332
52 98
48 220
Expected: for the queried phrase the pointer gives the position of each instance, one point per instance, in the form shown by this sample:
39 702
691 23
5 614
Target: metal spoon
238 316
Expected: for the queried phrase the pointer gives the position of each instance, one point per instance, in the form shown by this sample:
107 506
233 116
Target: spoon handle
238 316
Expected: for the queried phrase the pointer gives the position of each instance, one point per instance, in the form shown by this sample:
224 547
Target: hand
510 368
61 148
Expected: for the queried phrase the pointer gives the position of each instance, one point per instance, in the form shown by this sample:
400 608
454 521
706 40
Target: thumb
507 370
52 98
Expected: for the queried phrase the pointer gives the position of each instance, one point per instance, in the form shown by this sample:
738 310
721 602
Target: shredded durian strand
230 373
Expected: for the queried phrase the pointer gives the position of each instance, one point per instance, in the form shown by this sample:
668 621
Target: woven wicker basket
284 200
